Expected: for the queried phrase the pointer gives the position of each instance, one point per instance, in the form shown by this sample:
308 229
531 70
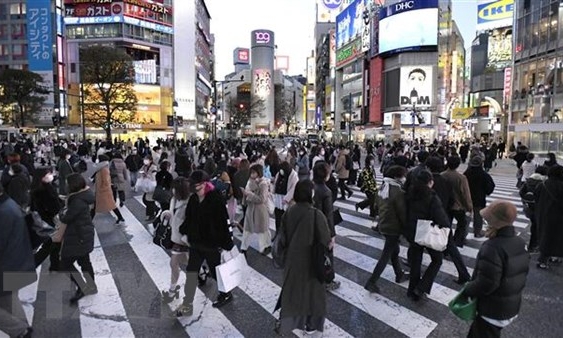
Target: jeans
196 257
477 220
343 187
12 317
133 177
84 280
390 251
461 229
480 328
414 255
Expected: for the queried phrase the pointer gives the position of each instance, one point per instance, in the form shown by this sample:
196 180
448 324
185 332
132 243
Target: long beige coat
257 218
104 195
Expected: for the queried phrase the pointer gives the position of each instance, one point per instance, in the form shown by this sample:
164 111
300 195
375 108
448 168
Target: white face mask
67 157
48 178
322 153
146 162
11 172
402 180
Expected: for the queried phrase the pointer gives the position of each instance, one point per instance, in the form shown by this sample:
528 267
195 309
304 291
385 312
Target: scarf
387 181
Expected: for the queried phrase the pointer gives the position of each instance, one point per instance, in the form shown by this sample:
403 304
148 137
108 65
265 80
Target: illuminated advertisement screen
499 48
262 83
408 25
416 79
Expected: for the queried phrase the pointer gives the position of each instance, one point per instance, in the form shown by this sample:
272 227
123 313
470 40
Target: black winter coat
323 201
444 191
481 184
500 275
424 205
207 222
78 239
45 200
549 213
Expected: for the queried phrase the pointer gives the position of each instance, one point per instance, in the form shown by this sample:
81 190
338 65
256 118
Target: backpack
348 164
223 188
80 166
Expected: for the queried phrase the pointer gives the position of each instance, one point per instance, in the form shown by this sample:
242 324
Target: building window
17 50
17 11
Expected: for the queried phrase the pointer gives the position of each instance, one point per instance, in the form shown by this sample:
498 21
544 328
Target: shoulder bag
430 235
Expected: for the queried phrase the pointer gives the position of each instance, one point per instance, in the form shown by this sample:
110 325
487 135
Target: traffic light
56 120
241 106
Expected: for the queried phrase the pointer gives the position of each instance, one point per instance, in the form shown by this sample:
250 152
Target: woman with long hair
148 171
257 219
180 250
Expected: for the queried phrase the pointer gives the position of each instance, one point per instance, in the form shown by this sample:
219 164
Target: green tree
107 76
22 89
242 113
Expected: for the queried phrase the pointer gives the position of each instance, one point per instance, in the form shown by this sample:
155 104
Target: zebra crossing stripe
211 321
103 315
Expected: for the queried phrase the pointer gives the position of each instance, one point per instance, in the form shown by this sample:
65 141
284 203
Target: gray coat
257 218
119 174
302 294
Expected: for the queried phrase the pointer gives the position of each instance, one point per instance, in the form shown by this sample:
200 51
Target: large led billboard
408 25
499 48
419 80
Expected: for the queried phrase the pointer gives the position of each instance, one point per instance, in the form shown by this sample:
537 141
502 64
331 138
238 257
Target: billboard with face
262 83
499 49
416 80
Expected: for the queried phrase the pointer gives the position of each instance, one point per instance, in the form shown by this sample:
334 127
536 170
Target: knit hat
476 161
198 176
499 214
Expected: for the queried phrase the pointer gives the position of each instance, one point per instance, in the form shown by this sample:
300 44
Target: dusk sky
293 23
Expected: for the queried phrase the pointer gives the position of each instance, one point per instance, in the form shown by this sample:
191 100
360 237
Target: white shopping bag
231 271
431 236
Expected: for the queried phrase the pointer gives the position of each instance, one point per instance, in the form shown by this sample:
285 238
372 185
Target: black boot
77 296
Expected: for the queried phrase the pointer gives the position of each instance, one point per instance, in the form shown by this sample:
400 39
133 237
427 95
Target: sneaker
119 221
332 286
542 266
184 310
202 276
169 295
223 299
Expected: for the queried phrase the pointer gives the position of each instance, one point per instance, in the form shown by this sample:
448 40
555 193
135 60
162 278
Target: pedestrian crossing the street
131 271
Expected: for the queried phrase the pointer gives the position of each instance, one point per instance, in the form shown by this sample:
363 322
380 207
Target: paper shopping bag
229 274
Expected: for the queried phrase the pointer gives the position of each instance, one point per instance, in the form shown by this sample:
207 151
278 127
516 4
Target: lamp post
215 108
82 118
175 120
414 98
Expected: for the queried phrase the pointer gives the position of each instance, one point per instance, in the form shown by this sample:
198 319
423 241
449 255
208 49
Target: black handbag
322 263
162 233
336 216
162 195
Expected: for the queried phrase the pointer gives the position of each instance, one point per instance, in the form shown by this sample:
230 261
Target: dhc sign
495 11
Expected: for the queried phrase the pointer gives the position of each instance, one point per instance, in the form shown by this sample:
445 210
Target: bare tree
23 89
242 113
108 77
287 110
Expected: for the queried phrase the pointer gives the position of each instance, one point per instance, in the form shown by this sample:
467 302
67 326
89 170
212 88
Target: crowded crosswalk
130 272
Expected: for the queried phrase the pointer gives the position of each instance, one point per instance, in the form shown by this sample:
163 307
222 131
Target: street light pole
82 117
414 98
175 120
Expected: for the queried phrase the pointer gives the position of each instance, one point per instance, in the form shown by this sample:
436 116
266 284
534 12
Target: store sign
262 38
91 10
93 20
40 35
493 14
149 5
348 53
332 4
462 113
406 117
507 84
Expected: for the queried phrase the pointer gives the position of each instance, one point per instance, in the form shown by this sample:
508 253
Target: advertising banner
406 117
349 24
262 83
241 56
462 113
348 53
93 9
262 38
145 71
153 6
408 25
416 80
507 85
281 62
499 49
311 70
332 48
327 10
40 35
494 14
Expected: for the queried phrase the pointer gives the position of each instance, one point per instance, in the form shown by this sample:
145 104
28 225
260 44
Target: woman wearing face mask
64 168
104 195
257 218
392 219
206 225
319 157
369 187
284 186
45 200
179 252
303 164
164 181
148 170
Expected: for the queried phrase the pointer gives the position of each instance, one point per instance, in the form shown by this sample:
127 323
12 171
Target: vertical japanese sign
40 35
40 49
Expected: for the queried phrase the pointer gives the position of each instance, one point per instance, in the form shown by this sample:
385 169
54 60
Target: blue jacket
15 249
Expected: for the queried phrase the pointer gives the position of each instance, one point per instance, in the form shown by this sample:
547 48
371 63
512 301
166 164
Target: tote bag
430 235
463 307
230 273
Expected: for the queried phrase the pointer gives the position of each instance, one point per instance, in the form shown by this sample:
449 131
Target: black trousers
278 213
151 208
456 258
343 187
116 192
197 256
369 201
48 249
84 280
461 228
480 328
390 252
414 255
533 234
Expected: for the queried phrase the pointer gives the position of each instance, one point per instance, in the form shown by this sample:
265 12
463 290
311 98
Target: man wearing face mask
64 168
206 225
284 186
